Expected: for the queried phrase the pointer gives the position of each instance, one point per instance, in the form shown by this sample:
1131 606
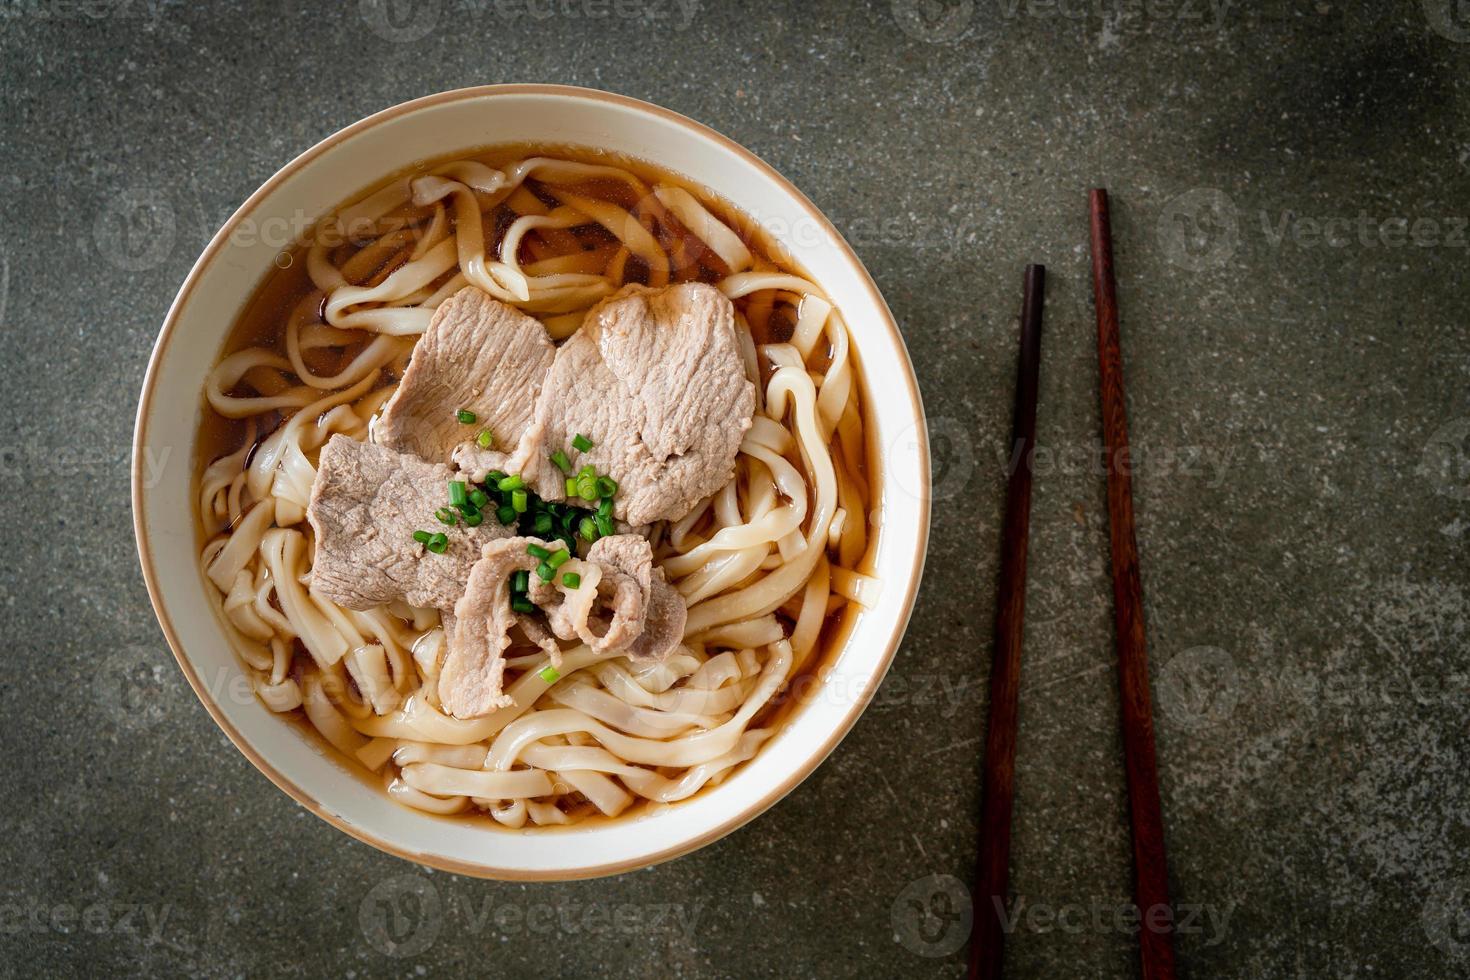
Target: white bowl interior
225 279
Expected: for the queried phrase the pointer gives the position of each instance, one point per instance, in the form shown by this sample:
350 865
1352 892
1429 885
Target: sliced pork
655 379
621 604
635 609
471 680
478 355
366 504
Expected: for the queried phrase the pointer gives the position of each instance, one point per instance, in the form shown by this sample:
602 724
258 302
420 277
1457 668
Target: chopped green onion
493 478
457 495
543 523
559 458
511 483
604 507
587 471
604 525
571 487
606 486
438 544
466 417
518 500
545 572
522 605
549 674
558 558
536 551
571 580
520 580
581 443
479 497
587 529
506 514
445 515
484 440
422 537
587 488
473 519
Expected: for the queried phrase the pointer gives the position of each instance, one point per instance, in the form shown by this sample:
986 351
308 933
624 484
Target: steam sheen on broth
767 566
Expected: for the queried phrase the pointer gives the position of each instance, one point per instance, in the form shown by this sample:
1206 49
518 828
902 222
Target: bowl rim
301 794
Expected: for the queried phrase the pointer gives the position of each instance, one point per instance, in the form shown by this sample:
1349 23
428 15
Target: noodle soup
766 566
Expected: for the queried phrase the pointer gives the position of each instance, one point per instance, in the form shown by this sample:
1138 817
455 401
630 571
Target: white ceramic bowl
223 279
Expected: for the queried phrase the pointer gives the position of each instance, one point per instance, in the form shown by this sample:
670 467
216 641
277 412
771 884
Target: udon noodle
766 565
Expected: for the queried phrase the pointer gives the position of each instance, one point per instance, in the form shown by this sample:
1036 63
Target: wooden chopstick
1150 870
992 868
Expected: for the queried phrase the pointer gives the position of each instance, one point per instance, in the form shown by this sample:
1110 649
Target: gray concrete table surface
1291 186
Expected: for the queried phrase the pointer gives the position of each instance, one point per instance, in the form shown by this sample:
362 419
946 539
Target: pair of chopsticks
1150 871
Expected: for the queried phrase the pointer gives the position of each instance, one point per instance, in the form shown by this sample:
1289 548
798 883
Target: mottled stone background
1292 186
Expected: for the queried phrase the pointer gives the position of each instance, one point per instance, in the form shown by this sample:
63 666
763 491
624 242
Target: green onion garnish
549 674
438 544
484 440
466 417
457 495
604 525
545 572
473 518
511 483
543 523
581 443
606 486
522 605
587 529
506 514
536 551
571 580
604 507
558 558
520 580
422 537
518 500
445 516
559 458
587 487
479 497
494 477
571 487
